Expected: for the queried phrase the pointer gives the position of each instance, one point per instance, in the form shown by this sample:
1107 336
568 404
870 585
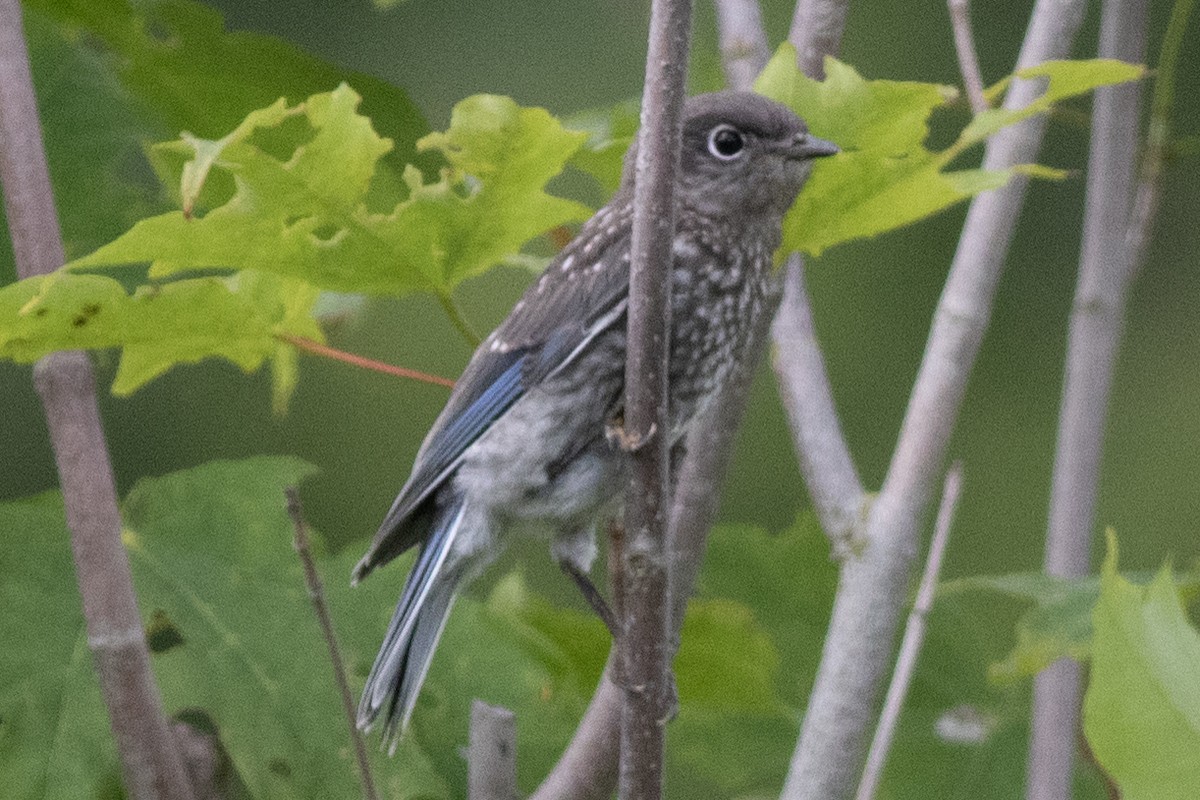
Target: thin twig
914 636
1158 138
151 763
645 643
316 593
325 351
872 591
458 320
492 753
968 60
742 40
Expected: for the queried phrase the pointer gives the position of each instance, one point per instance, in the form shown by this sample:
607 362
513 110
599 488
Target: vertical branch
645 644
873 586
150 760
492 753
1106 270
587 768
1158 138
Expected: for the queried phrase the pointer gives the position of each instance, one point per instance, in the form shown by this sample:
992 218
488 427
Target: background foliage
114 77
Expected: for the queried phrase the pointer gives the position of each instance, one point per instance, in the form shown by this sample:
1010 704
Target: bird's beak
805 145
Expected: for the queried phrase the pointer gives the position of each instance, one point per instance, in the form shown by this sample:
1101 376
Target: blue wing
565 309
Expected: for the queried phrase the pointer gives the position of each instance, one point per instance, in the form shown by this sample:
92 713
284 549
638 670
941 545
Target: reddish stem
325 351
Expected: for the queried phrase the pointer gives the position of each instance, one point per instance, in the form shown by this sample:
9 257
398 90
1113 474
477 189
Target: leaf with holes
159 326
299 209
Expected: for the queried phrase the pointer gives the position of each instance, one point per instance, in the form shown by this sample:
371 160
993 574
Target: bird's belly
547 460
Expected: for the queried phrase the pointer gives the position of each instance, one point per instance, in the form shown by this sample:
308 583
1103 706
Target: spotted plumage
521 444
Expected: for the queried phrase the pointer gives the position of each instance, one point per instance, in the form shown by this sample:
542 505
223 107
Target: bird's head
742 153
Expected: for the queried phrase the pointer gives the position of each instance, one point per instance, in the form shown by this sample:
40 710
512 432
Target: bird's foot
616 434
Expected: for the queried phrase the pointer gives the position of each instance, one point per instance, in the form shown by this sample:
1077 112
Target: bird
525 442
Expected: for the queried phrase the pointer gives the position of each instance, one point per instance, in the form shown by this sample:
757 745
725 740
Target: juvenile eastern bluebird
522 441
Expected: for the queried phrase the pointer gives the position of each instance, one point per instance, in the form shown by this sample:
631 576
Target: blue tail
407 650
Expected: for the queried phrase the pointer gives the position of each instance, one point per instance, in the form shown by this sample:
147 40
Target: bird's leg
605 612
593 597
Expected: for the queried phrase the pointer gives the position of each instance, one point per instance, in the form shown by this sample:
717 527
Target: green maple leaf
886 177
1142 709
304 214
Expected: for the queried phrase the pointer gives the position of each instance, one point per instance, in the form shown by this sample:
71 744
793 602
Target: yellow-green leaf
158 325
885 176
298 203
1142 709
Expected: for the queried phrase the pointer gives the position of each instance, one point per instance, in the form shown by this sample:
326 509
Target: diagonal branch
873 586
316 593
150 759
825 461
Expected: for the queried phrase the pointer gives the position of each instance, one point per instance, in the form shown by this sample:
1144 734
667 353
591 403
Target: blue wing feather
407 520
449 442
552 324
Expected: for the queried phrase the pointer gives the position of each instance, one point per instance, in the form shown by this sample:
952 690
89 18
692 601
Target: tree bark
151 764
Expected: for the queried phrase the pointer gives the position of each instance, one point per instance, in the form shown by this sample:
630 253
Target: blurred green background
873 302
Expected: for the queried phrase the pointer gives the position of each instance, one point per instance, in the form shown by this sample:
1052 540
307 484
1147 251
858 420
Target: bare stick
816 32
492 753
316 593
645 644
968 61
742 40
873 587
825 461
151 764
325 351
1106 271
914 636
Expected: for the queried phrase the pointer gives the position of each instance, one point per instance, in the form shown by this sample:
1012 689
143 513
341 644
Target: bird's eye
726 142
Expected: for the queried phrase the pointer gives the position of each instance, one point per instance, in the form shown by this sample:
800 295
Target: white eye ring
726 142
